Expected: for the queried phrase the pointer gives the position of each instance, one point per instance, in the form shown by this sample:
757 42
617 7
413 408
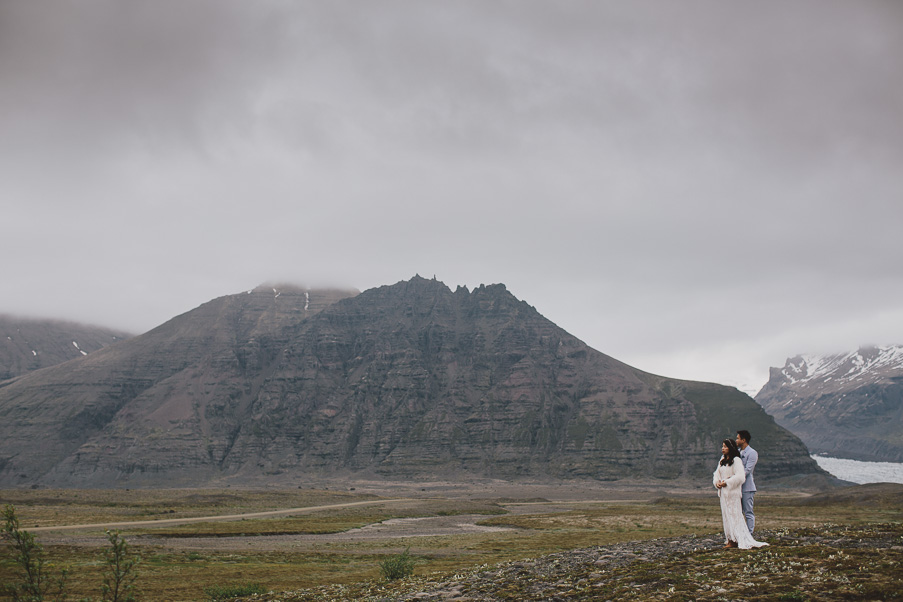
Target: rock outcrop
404 381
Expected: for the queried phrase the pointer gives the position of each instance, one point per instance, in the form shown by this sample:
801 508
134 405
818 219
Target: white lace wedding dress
735 528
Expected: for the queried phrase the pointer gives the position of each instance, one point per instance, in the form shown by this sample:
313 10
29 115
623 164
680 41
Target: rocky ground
829 563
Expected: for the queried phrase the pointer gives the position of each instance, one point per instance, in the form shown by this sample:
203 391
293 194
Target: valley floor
330 542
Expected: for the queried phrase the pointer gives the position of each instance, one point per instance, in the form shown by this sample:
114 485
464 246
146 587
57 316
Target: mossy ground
787 570
821 571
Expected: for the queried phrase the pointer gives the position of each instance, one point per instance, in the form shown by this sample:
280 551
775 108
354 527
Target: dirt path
168 522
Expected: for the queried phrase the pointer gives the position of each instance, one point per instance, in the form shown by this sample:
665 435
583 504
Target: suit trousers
747 501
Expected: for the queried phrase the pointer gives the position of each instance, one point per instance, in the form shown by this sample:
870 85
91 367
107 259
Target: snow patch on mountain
865 365
846 405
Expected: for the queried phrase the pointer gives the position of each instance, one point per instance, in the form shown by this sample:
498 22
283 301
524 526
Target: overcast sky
699 189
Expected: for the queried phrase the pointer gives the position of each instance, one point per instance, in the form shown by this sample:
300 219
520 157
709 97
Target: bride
728 479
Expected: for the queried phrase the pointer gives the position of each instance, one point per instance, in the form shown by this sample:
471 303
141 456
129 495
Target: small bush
397 567
227 592
28 555
119 570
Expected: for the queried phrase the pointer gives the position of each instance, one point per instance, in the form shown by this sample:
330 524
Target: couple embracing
734 481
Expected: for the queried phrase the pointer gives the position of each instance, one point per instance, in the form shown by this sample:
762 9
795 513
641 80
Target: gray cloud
698 189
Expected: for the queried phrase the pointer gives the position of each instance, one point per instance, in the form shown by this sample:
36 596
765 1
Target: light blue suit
748 492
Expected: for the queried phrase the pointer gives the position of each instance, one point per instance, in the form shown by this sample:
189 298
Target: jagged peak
418 282
418 279
496 288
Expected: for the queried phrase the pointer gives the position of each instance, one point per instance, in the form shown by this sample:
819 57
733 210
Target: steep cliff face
848 405
27 344
409 380
414 379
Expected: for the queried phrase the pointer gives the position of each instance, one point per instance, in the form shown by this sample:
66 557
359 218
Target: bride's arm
739 476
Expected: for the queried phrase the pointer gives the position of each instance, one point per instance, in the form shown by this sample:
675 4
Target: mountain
132 404
29 344
411 380
848 405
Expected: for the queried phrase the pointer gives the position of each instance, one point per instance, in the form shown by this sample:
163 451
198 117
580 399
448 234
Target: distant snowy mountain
850 370
848 405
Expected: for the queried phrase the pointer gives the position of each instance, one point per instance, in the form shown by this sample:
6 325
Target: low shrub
398 566
119 570
28 555
36 585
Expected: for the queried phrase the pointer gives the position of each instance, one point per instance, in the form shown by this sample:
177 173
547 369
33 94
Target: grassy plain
326 543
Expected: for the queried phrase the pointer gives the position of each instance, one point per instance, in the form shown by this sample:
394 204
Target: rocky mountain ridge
410 380
848 405
866 365
28 344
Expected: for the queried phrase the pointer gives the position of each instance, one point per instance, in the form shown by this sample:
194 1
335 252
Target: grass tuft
228 592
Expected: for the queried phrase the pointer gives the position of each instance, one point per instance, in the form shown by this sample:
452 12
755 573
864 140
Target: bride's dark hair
732 452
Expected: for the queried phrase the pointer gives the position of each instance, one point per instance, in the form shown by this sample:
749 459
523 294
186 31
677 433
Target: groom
749 457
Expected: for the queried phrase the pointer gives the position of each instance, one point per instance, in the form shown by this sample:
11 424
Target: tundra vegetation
334 547
398 566
33 579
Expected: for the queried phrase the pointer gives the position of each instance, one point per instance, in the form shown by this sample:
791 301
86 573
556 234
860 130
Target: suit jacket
749 457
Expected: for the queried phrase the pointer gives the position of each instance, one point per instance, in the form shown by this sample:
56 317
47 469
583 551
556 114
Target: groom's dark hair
745 436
